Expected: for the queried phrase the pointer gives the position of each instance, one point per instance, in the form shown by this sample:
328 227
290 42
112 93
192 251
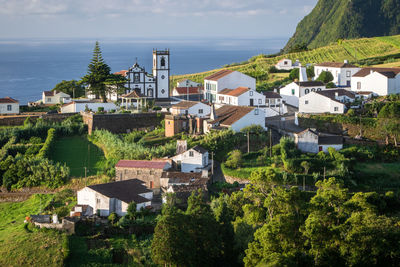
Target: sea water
28 67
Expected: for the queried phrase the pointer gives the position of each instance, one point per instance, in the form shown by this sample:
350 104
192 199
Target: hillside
344 19
364 51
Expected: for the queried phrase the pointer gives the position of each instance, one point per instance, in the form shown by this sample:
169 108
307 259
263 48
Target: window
359 85
162 91
319 89
136 78
163 77
293 91
306 91
9 107
313 90
163 62
169 122
348 73
256 112
336 109
306 102
150 92
49 99
259 101
98 200
191 154
200 111
151 172
138 172
251 93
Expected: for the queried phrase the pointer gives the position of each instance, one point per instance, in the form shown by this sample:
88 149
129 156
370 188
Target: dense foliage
333 20
73 88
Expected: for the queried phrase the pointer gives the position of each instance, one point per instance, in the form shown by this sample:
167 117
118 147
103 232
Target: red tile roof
48 93
228 115
190 90
150 164
122 73
388 72
185 104
218 75
234 92
7 100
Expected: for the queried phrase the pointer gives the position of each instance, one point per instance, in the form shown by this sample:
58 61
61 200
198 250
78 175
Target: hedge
44 151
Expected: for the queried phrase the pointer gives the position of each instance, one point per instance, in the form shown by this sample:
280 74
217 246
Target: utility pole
212 164
324 172
248 142
270 142
360 127
85 176
304 183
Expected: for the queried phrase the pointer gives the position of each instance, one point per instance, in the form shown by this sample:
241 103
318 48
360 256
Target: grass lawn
20 247
379 175
77 152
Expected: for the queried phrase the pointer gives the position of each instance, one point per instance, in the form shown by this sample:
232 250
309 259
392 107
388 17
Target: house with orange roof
241 96
224 79
379 81
9 105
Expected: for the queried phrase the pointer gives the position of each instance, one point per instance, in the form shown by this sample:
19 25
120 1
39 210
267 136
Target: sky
151 18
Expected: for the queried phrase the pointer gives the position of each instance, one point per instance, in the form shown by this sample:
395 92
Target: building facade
327 101
341 72
192 160
241 96
293 91
55 97
379 81
9 105
193 108
311 141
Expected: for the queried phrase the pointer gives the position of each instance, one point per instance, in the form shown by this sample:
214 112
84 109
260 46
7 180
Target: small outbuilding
311 141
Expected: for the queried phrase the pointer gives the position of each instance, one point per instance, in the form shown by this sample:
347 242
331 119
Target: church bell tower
161 72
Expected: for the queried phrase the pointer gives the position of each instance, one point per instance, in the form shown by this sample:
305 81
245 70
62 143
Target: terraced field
352 50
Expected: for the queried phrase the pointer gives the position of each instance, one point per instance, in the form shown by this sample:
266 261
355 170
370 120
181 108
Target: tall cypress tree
97 75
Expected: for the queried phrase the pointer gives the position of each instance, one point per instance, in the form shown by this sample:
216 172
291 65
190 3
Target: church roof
122 73
218 75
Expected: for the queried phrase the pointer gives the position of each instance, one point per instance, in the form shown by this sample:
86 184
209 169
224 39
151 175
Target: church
155 85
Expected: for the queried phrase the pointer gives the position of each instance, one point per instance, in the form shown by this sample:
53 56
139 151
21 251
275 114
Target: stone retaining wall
18 120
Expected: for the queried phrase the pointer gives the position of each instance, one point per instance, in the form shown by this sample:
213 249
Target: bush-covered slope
343 19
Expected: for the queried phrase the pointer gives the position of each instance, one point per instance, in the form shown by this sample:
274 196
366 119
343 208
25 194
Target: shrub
113 218
234 160
330 85
44 151
325 77
100 109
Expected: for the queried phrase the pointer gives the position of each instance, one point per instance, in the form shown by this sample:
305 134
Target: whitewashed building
293 91
55 97
241 96
226 79
380 81
81 105
155 85
105 199
9 105
192 160
311 141
341 72
274 105
286 64
327 101
187 83
193 108
235 118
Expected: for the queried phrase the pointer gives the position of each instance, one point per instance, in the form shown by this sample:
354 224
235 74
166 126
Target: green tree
98 75
310 72
234 160
131 211
306 166
73 88
294 74
325 77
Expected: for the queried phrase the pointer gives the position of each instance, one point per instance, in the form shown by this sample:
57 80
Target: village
226 100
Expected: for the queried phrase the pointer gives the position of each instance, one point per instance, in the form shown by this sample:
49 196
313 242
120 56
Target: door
320 148
348 84
151 184
251 102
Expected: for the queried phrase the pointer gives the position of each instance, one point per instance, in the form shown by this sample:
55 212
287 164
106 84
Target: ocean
28 67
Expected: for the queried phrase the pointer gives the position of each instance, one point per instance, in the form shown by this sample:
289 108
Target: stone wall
150 176
18 120
122 123
231 180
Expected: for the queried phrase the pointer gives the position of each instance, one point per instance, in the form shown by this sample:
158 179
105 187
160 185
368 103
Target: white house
192 160
9 105
78 106
224 79
55 97
197 109
380 81
311 141
274 105
327 101
241 96
286 64
235 118
187 83
293 91
115 197
341 72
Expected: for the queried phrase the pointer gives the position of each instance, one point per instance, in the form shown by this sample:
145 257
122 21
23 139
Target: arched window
319 89
313 90
306 91
150 92
163 62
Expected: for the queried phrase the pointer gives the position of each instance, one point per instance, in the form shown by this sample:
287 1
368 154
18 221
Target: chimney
303 74
213 115
346 61
204 173
276 90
